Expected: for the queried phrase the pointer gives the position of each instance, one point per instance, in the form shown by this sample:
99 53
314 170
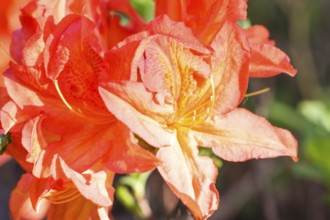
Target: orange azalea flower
115 19
109 20
206 18
71 145
266 59
9 13
178 94
60 200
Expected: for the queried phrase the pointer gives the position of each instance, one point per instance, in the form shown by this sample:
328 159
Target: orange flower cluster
82 88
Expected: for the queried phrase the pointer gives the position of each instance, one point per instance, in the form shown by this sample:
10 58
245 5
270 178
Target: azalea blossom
81 86
9 13
179 87
71 145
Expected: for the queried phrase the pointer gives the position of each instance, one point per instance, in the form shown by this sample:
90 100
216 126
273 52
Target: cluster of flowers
82 88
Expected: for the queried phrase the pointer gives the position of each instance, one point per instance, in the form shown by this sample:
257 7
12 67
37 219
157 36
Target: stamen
257 92
200 114
5 52
62 97
64 196
194 116
212 99
78 112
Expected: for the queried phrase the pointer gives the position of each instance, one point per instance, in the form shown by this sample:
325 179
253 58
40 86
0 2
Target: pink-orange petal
112 29
268 61
230 63
20 93
17 151
129 102
240 135
67 38
111 144
9 116
191 177
32 138
133 47
205 17
177 30
79 208
125 155
258 34
95 186
80 150
175 9
20 203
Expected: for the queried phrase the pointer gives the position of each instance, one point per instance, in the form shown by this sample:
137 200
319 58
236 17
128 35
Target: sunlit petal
190 176
241 135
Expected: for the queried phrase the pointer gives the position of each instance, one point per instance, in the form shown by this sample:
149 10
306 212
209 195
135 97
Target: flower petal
204 17
72 44
56 9
20 203
126 156
17 151
173 8
114 27
230 67
177 30
133 47
79 208
268 61
191 177
21 94
124 100
241 135
32 138
258 34
9 116
93 186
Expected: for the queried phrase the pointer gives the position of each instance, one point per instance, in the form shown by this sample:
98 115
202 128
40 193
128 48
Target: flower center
199 108
87 112
78 82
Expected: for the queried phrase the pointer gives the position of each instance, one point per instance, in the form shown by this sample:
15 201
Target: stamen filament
199 114
60 197
79 113
62 97
257 92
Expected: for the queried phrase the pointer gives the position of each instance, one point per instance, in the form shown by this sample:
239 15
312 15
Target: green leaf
130 190
5 139
286 116
127 199
209 153
124 19
318 151
244 23
317 111
146 8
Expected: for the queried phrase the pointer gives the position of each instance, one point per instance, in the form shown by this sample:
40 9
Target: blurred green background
272 189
